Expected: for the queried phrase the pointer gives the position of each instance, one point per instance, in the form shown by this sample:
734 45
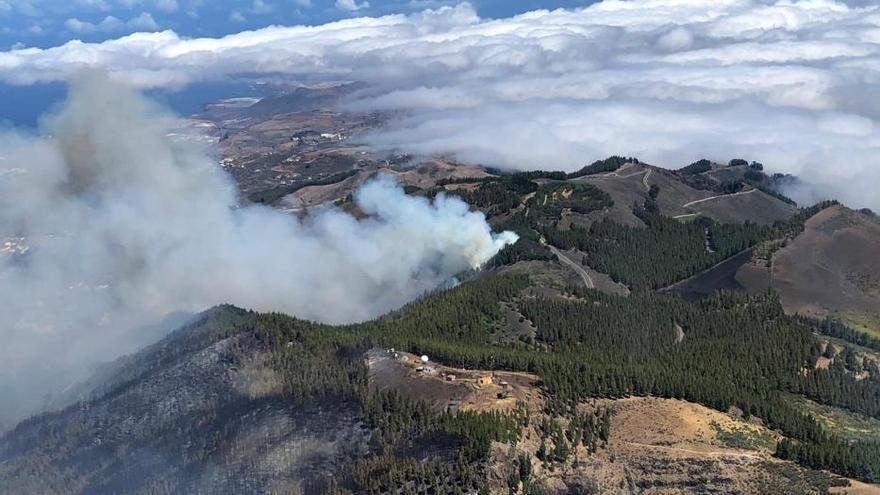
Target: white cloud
262 7
26 7
78 26
167 5
93 4
788 82
236 16
352 5
676 40
143 22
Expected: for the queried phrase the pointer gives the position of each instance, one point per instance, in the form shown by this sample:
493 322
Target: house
485 380
450 378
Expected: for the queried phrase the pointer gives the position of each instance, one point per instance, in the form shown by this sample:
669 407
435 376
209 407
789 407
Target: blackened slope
198 412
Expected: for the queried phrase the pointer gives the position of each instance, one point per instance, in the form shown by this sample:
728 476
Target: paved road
588 281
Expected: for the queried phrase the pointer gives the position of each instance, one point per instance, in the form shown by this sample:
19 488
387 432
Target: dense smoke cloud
789 83
110 225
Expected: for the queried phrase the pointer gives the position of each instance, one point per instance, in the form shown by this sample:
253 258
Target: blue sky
45 23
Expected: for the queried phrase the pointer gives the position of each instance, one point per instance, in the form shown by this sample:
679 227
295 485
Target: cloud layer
112 226
789 83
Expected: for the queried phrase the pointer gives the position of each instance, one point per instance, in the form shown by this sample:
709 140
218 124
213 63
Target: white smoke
123 226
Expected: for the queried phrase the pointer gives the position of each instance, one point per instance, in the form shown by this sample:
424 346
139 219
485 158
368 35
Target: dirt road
616 173
750 191
717 453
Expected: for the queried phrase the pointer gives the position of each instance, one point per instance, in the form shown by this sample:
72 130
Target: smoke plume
109 225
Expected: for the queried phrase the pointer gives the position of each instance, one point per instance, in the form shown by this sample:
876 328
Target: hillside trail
686 205
616 173
712 453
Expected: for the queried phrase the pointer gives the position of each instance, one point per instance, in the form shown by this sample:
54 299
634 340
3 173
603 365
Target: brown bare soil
423 176
666 446
427 174
831 269
628 187
544 273
757 207
656 446
857 488
318 195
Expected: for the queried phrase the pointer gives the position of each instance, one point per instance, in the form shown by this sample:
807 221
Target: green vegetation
499 195
663 253
785 479
528 247
609 164
740 351
667 251
403 430
550 200
847 424
835 328
558 443
860 459
861 321
698 167
742 437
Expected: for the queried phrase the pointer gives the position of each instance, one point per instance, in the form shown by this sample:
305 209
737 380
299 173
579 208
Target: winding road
588 281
